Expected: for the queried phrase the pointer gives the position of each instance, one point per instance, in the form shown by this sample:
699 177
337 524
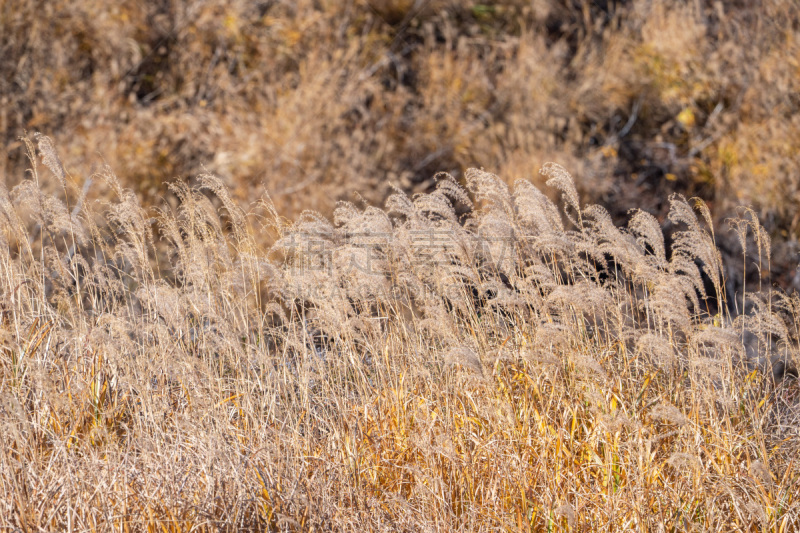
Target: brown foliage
466 360
312 100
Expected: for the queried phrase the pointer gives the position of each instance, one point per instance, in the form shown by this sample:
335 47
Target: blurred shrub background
311 100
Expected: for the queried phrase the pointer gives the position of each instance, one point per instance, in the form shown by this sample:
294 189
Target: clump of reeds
473 359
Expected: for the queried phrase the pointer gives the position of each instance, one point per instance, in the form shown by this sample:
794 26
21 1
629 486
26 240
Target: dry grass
315 99
522 366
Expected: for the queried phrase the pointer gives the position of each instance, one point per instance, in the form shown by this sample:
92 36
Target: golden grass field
238 294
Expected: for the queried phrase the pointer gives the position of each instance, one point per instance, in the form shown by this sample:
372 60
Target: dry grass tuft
462 361
312 100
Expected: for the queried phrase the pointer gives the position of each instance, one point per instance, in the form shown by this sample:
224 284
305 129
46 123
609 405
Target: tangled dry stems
472 359
317 99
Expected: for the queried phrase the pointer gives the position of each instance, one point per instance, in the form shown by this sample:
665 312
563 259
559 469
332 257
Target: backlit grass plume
476 358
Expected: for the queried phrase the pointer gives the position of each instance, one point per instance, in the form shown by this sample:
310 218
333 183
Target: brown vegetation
524 366
312 100
184 346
